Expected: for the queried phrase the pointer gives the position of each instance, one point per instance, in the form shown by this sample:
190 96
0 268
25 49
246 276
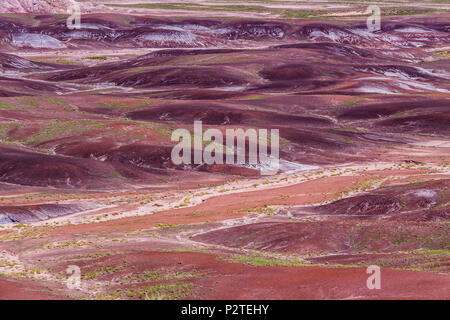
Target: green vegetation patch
61 103
5 128
123 105
97 58
64 128
10 106
94 274
265 261
161 274
162 291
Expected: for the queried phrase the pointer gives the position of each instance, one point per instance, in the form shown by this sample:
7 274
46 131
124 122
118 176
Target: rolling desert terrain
87 181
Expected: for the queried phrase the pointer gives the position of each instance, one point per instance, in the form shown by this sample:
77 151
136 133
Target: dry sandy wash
86 177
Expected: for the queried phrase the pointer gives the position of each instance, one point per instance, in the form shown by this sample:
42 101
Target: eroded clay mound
344 236
31 213
35 6
411 202
11 87
13 62
135 31
139 155
207 77
435 123
218 113
36 169
374 111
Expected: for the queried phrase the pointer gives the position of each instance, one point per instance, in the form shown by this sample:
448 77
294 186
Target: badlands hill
37 6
